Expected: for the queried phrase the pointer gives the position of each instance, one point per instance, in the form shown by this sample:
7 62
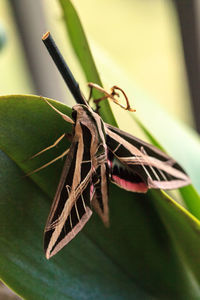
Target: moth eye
74 115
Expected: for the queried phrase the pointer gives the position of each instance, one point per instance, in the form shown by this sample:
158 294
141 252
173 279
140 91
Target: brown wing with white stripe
71 206
137 166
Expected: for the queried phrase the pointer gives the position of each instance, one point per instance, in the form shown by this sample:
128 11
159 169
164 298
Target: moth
99 154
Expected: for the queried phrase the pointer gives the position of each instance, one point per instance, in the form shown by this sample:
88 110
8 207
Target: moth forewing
71 205
64 215
70 209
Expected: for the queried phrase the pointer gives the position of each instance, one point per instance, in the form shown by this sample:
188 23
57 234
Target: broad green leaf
81 47
133 259
191 199
179 223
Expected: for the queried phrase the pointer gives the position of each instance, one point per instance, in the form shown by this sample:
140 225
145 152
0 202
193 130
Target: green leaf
191 199
184 230
81 47
122 262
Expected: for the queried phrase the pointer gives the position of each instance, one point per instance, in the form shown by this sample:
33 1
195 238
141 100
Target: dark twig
63 68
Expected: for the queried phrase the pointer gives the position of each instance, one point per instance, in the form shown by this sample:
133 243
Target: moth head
80 111
74 114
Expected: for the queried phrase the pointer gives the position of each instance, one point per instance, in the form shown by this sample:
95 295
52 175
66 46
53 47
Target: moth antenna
65 117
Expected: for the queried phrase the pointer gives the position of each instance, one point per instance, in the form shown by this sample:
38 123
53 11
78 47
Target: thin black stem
63 68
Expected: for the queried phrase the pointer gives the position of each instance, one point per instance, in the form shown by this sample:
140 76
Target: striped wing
138 166
71 206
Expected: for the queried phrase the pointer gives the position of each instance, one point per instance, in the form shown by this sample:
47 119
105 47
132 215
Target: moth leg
111 96
49 147
96 101
49 163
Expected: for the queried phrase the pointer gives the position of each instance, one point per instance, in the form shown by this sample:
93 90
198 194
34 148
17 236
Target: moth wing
71 205
124 177
136 165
